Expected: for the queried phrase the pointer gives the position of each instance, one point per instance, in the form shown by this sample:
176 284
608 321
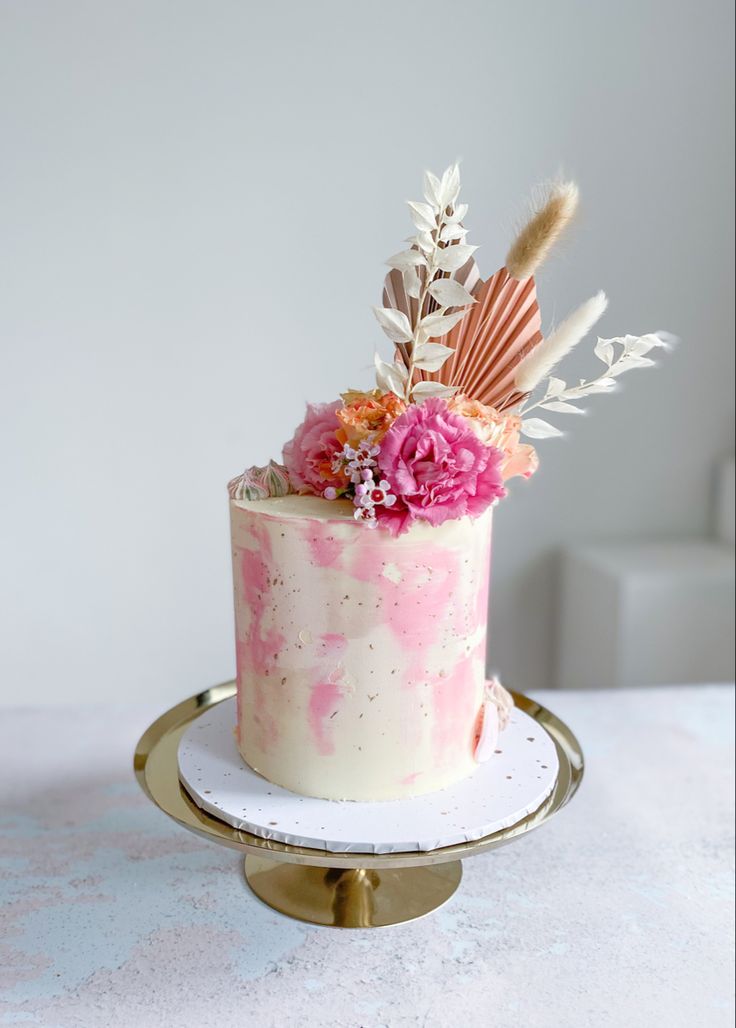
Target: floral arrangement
441 433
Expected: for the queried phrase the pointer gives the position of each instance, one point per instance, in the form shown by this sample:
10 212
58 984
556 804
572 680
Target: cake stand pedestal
352 897
340 889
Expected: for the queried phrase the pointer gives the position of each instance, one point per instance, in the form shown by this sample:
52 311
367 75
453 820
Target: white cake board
504 790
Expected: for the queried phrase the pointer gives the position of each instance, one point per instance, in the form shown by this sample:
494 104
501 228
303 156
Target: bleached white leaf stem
438 247
557 396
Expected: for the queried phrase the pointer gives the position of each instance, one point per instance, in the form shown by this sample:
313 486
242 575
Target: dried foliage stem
619 355
430 273
425 304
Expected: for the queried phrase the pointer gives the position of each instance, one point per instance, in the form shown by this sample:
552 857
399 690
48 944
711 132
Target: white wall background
196 199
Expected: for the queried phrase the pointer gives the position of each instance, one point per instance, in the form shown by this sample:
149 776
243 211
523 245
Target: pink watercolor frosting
361 657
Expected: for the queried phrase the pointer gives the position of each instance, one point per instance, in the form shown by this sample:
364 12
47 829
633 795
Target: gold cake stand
344 890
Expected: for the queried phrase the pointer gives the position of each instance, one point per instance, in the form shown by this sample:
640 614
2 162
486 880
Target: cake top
302 510
296 505
441 433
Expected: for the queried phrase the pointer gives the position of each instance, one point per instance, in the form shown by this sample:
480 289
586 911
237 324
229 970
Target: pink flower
309 456
438 467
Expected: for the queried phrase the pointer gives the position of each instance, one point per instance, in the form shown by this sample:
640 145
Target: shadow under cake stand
342 886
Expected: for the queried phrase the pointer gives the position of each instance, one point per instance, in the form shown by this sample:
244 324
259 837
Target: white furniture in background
646 613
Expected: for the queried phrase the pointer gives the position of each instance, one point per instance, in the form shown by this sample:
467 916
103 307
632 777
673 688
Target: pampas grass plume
542 231
559 343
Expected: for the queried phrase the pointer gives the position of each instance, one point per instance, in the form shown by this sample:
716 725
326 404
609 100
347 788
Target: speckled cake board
504 790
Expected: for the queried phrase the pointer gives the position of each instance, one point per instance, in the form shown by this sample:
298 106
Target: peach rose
368 414
500 430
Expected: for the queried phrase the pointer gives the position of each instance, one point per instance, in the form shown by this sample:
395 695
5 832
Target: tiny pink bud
330 493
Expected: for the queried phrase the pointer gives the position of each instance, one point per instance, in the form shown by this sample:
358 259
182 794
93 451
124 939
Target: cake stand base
355 897
331 887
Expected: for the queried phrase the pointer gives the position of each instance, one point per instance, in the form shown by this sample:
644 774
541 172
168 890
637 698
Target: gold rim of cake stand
358 889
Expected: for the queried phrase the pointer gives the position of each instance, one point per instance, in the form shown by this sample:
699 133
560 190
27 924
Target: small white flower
365 514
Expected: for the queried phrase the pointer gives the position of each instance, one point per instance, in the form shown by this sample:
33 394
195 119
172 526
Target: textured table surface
619 912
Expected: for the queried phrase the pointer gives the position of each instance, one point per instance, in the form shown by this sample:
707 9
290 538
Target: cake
361 563
361 657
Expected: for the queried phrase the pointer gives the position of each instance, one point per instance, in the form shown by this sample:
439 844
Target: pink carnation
438 467
309 455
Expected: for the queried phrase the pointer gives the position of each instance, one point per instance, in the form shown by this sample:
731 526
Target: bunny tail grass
542 231
566 336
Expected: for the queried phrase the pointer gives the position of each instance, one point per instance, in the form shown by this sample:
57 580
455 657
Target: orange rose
501 431
368 414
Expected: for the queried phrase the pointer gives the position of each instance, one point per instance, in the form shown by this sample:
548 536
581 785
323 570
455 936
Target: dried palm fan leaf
499 331
548 221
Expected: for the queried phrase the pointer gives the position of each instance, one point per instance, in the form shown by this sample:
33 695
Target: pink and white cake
361 564
361 658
